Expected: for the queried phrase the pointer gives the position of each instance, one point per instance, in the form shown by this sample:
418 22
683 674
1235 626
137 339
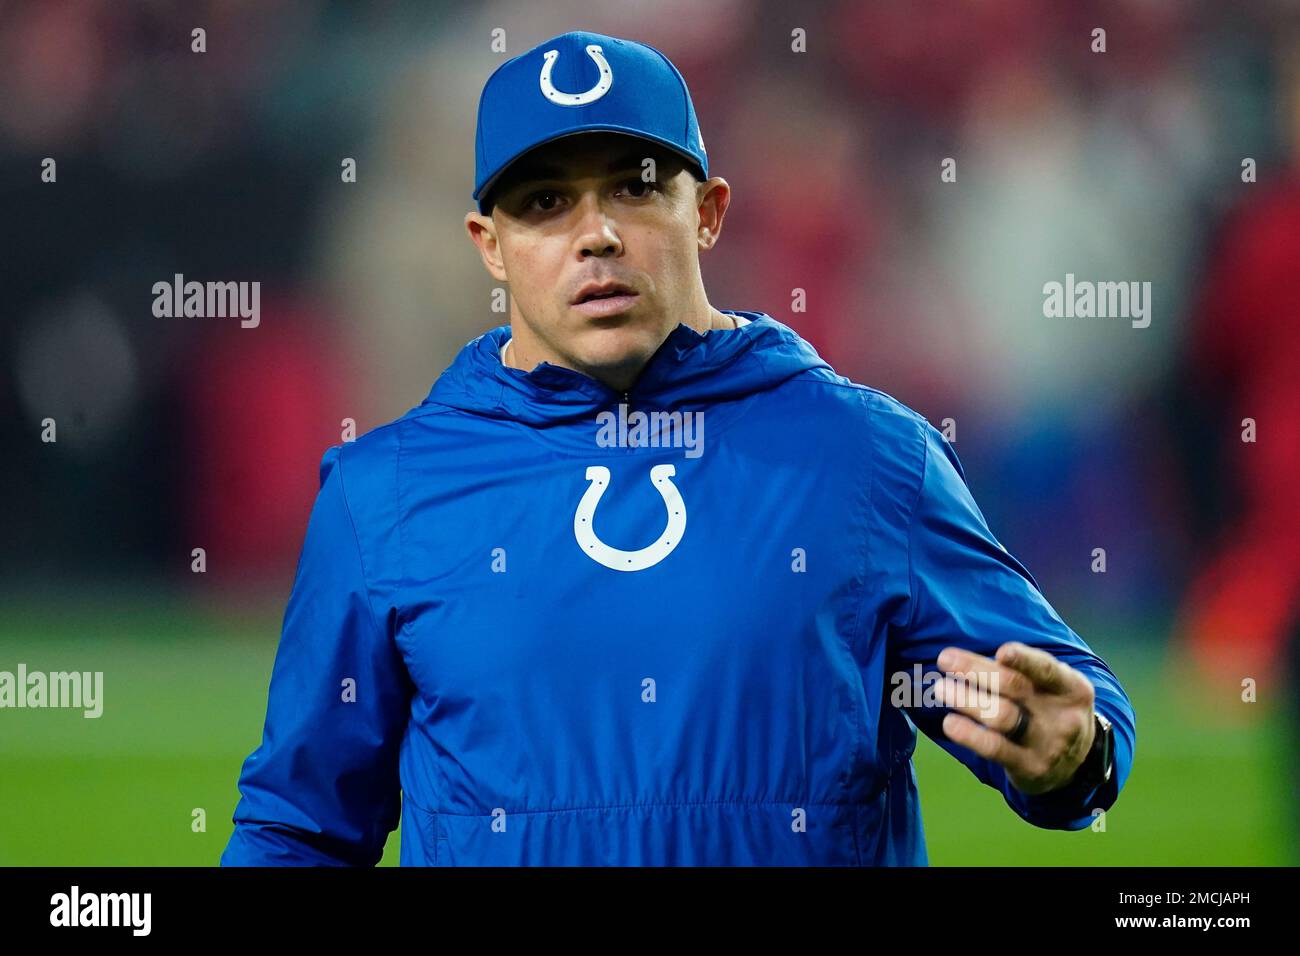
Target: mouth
602 299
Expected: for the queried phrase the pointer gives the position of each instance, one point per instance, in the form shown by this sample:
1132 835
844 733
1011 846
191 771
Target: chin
605 345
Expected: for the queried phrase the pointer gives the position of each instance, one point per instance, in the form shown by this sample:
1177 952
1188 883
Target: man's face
577 213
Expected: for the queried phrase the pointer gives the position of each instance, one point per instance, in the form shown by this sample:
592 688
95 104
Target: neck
712 319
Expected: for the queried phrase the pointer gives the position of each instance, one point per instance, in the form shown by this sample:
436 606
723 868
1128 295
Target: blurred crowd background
1076 434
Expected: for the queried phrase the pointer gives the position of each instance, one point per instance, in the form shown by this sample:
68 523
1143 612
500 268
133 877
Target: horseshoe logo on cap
577 99
613 558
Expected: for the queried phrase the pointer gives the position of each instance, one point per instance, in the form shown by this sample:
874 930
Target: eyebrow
534 170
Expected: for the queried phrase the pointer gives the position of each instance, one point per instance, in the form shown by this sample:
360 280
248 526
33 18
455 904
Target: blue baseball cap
576 83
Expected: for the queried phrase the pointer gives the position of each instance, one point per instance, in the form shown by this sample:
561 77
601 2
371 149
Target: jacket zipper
627 400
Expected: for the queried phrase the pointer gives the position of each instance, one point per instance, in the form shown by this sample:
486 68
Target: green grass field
185 695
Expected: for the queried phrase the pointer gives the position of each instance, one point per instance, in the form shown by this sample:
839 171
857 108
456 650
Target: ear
483 233
713 198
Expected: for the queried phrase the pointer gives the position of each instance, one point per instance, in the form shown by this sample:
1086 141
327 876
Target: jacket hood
688 368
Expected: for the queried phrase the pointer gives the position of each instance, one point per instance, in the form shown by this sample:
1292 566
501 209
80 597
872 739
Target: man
643 581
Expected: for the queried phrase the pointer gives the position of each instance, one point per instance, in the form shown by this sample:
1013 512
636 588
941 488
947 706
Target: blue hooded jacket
549 632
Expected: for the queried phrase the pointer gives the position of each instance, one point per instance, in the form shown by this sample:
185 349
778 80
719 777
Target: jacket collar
688 368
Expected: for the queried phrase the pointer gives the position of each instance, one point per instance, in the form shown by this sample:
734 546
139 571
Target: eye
541 194
636 182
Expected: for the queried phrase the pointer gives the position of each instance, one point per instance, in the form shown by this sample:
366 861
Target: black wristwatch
1100 762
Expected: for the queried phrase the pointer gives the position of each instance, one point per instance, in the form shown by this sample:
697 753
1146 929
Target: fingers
982 672
988 743
1044 670
1020 675
993 710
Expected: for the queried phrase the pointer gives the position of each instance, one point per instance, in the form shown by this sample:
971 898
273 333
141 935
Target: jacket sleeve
968 591
323 787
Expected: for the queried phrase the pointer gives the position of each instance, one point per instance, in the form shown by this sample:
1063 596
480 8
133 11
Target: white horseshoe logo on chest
613 558
576 99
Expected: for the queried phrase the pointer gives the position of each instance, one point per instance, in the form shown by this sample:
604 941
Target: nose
597 234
